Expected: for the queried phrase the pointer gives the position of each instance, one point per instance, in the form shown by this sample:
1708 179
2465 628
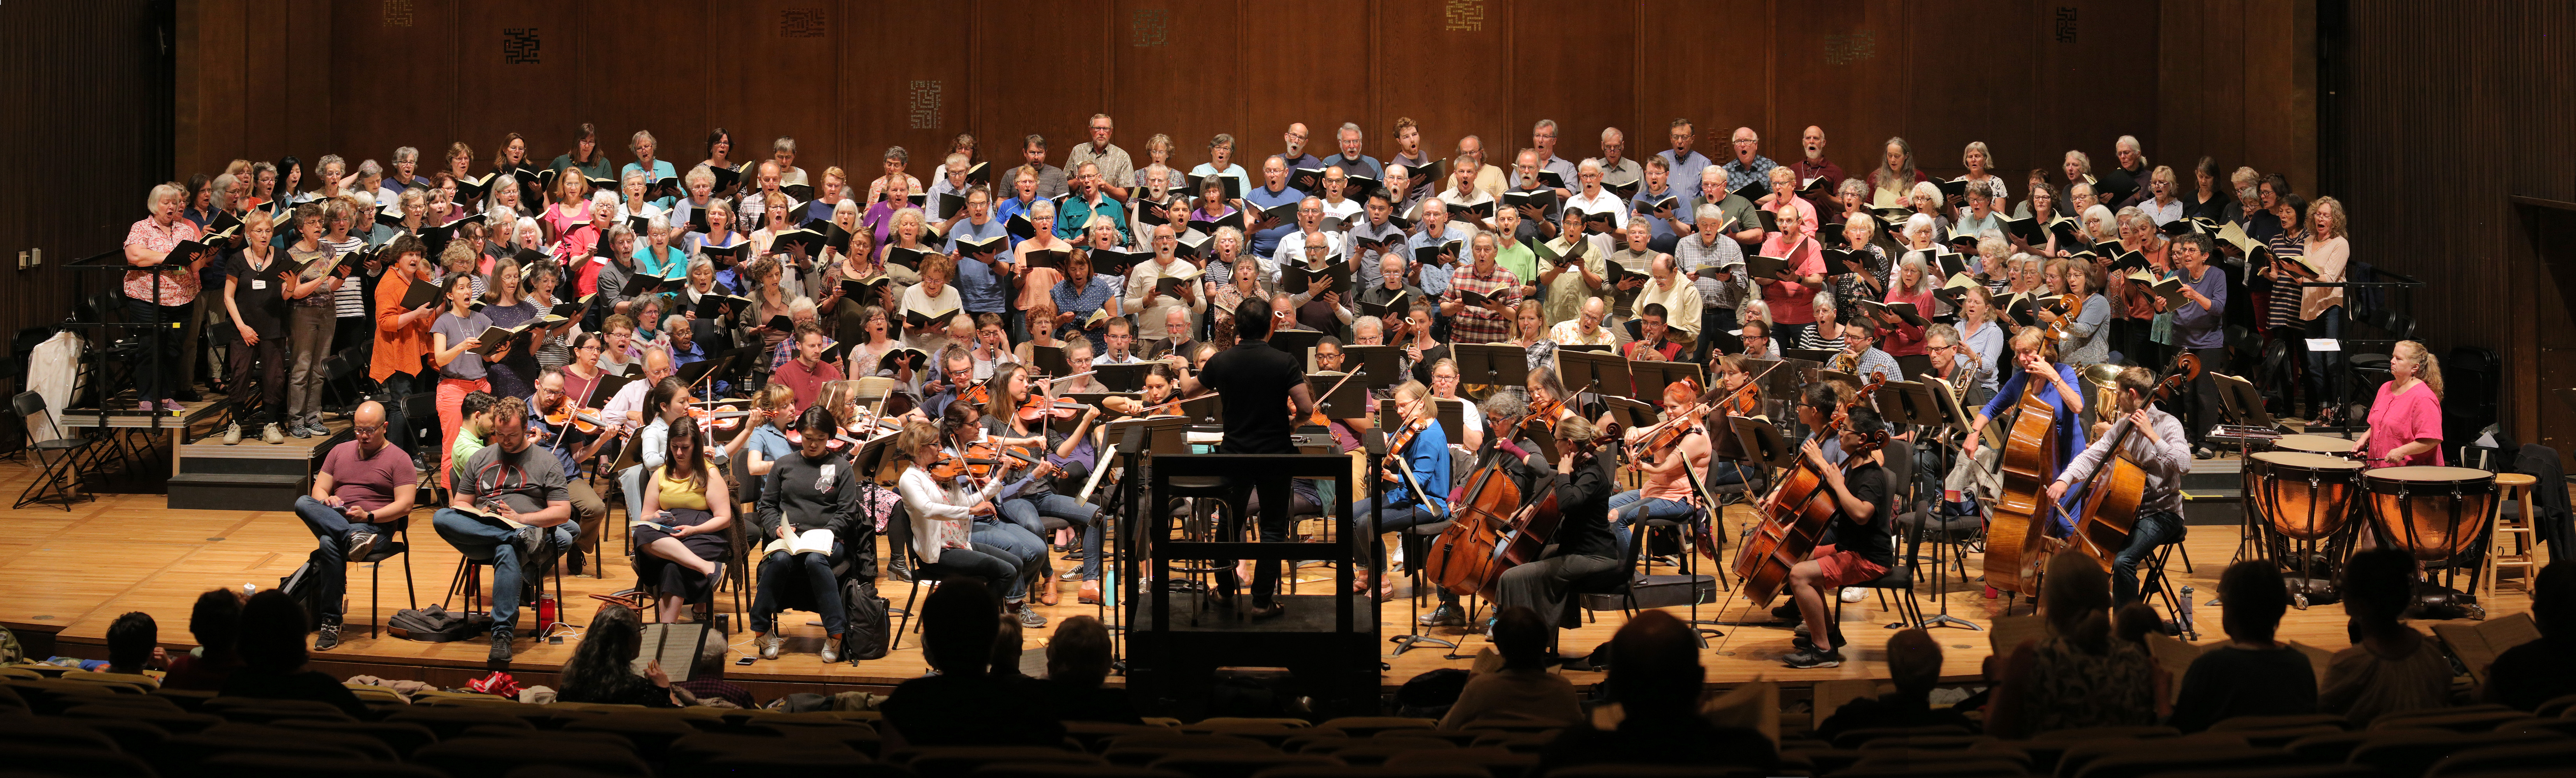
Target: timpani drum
2315 444
2434 513
2303 503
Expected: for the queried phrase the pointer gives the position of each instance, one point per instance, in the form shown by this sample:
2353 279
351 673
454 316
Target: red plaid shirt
1478 323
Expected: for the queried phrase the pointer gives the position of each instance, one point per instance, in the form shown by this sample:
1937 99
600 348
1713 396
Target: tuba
2101 387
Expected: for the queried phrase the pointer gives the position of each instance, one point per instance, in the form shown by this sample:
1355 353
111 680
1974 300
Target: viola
586 420
722 417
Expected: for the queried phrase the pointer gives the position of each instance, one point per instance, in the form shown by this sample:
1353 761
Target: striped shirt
351 300
1695 253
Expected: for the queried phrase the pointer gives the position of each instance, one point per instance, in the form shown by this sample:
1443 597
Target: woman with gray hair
160 288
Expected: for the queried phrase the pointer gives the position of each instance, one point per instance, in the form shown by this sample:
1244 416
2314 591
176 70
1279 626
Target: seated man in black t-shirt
1259 385
1861 552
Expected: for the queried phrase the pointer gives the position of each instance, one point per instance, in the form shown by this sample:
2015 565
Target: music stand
1652 377
1491 364
1350 401
1606 374
1209 410
1377 365
1050 360
1295 341
1451 414
1942 409
690 373
1634 413
1762 443
1816 355
1909 402
1123 378
2240 401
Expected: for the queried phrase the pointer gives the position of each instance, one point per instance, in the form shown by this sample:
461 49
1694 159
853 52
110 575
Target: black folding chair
58 460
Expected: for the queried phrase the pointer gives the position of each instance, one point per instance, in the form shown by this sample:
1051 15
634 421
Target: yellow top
680 493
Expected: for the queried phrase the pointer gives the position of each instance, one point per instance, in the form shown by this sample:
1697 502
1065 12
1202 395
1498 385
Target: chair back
30 407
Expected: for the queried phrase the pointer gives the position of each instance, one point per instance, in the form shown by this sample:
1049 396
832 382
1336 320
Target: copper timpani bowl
2303 496
2433 512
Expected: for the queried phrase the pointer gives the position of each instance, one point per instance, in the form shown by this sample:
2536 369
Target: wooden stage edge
71 573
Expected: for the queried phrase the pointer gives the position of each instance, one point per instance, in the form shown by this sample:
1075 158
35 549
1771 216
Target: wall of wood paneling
88 92
843 77
2495 120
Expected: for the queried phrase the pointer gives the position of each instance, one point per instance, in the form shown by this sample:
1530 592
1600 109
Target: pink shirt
177 287
1793 303
2398 418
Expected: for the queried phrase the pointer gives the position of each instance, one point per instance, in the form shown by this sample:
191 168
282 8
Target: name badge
258 284
823 482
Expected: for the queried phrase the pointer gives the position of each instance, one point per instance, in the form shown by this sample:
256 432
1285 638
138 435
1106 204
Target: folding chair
57 458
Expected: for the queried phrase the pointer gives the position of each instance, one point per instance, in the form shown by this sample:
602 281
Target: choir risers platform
250 476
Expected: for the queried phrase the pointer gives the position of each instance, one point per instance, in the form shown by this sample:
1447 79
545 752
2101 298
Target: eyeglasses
363 429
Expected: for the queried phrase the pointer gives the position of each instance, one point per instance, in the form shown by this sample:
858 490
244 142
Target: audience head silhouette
1079 652
2376 585
2077 601
1913 662
2256 598
1521 636
272 632
957 627
215 621
1655 668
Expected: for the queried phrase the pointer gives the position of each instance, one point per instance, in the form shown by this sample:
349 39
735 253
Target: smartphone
743 662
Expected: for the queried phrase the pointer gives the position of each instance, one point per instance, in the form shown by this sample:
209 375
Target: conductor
1258 383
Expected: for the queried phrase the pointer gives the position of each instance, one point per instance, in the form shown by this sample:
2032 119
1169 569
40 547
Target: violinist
1017 417
765 430
1745 401
1548 400
1155 400
1421 350
961 430
2161 449
1667 453
1587 552
1862 549
1421 450
627 408
955 380
1444 385
1329 358
551 427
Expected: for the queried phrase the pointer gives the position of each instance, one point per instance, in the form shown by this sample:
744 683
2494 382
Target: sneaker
1788 611
361 542
768 644
232 434
1070 574
172 406
148 406
268 434
328 637
1854 594
831 649
297 428
1811 658
1446 615
1804 643
1029 618
2204 453
500 645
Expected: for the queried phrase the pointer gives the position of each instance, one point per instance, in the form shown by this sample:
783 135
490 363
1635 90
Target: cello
1795 514
2109 508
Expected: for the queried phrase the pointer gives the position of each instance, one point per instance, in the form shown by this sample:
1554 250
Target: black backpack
435 624
870 630
305 586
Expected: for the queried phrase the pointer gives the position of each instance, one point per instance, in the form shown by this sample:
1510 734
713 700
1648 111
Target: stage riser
232 492
193 465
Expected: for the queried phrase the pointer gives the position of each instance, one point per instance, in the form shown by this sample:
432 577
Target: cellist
2035 353
1666 493
1587 553
2161 450
1862 549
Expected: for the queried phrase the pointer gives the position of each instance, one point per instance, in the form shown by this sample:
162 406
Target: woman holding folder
455 347
679 538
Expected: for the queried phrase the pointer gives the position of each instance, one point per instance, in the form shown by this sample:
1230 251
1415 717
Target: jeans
1631 508
1024 512
982 561
480 540
780 568
1370 525
332 529
309 329
2153 528
157 377
2325 381
1014 544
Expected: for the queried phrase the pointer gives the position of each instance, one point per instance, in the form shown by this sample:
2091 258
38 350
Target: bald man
1813 165
1295 143
363 492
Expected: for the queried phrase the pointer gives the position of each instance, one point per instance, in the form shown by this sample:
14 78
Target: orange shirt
399 349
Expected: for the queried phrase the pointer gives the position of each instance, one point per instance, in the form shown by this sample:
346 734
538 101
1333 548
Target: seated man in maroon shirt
363 491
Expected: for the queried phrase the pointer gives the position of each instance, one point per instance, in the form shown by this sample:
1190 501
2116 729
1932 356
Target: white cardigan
935 508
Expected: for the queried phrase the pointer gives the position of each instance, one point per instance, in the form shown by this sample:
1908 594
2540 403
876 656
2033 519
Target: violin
724 417
1402 440
837 443
586 420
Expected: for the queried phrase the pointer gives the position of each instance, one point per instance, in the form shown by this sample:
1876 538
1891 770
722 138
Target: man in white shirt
1463 194
1121 344
1292 247
1595 200
1337 202
1144 294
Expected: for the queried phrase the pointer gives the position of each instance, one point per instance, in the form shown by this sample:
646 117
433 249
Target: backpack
869 631
305 586
433 624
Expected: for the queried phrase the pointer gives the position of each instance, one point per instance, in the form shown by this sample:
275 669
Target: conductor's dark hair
1866 421
1252 319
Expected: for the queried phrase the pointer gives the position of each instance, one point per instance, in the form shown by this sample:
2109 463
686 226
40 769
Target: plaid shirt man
1479 323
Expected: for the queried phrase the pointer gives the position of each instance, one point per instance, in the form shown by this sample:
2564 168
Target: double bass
1795 514
2030 460
2109 510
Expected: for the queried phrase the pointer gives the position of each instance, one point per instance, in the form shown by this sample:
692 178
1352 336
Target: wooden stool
2517 528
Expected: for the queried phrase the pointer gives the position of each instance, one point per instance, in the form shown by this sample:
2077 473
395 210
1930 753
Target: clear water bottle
2185 616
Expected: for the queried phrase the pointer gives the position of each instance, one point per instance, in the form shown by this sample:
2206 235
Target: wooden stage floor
74 572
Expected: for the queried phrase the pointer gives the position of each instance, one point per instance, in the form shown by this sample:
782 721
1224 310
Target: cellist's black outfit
1586 554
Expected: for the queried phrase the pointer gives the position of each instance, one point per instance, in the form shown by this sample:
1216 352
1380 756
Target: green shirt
1516 256
466 444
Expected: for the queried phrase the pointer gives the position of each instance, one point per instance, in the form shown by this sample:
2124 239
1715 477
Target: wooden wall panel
1168 77
1053 100
2104 74
648 92
778 77
1697 67
879 70
1962 93
1575 62
93 87
396 85
503 87
1308 62
1453 83
266 29
1818 61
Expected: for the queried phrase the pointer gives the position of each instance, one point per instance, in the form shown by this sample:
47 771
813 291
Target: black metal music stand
2241 404
1491 364
1376 365
1933 408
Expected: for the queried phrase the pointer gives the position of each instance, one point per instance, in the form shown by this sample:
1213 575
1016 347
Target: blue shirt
648 265
771 443
661 169
1428 457
977 287
1435 279
1267 241
2070 430
1644 204
1073 214
1094 296
1685 172
1007 208
2195 326
1365 165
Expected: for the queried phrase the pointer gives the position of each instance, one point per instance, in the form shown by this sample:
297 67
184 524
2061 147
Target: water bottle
2185 615
249 589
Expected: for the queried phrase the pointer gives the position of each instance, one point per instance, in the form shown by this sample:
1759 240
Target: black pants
2206 411
1714 323
269 387
1273 524
157 377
